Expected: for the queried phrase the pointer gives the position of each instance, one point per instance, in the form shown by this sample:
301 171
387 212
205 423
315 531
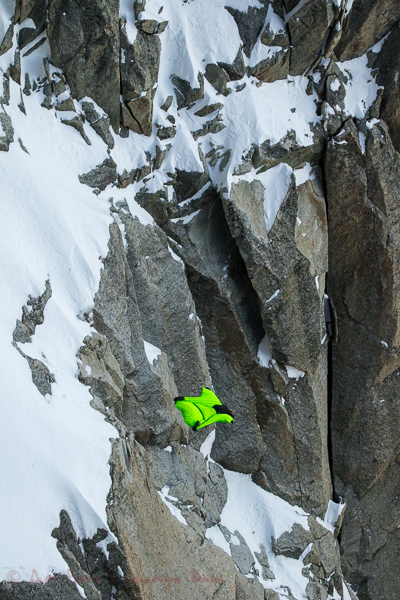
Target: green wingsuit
199 411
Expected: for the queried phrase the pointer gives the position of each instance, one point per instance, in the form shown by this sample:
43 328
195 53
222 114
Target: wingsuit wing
203 415
216 418
207 398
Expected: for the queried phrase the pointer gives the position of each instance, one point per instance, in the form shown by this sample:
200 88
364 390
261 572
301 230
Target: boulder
218 78
249 589
271 595
101 176
41 375
262 558
208 109
241 555
76 123
151 26
315 591
101 124
58 586
5 89
292 544
100 370
23 332
186 96
324 553
7 41
271 38
286 150
137 114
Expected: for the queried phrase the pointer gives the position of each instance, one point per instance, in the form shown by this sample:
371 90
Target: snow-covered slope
55 448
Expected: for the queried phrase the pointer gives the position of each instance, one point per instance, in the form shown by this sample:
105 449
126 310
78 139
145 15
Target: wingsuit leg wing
190 412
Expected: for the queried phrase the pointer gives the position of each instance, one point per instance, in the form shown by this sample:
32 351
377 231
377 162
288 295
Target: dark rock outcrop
271 69
7 130
101 124
307 28
101 176
186 95
388 63
139 70
168 568
249 24
363 215
27 9
84 41
367 23
23 332
293 543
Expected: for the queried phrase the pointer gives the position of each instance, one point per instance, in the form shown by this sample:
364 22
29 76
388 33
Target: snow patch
206 446
258 515
185 220
335 85
361 140
264 353
167 501
294 373
276 182
361 87
126 12
152 352
274 295
261 52
175 256
190 41
332 514
276 24
215 535
372 122
304 174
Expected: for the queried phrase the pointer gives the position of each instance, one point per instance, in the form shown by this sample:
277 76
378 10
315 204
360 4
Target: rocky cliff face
249 162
